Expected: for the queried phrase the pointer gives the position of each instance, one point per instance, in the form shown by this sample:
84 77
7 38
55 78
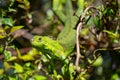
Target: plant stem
79 27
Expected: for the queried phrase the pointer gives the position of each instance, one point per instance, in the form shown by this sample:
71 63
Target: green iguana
66 40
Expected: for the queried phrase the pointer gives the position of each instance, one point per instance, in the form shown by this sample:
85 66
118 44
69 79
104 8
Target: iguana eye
40 39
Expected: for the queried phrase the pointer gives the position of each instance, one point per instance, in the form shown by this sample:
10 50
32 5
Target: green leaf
55 74
18 68
84 32
11 78
27 57
27 64
2 36
7 54
6 66
111 34
33 52
11 10
18 52
12 2
81 5
15 28
98 62
89 60
1 49
96 21
8 21
71 71
115 76
1 71
2 33
39 77
12 58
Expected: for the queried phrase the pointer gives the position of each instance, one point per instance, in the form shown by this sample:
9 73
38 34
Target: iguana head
43 44
37 41
48 45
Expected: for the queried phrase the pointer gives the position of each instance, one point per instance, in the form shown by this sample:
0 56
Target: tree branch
79 27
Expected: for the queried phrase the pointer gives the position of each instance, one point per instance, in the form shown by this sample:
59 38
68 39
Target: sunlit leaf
115 77
7 21
59 77
18 52
82 78
90 61
1 49
39 77
44 58
27 64
15 28
2 30
33 52
71 71
6 66
11 10
111 34
25 4
98 62
2 33
12 58
12 2
1 71
7 54
27 57
84 32
1 36
55 73
6 28
18 68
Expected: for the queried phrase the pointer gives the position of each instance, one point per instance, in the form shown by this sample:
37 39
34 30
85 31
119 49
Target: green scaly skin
49 47
64 11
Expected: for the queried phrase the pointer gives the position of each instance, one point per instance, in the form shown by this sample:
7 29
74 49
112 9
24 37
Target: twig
79 27
78 56
104 49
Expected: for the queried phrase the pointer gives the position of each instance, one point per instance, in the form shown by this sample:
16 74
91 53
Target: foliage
55 58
